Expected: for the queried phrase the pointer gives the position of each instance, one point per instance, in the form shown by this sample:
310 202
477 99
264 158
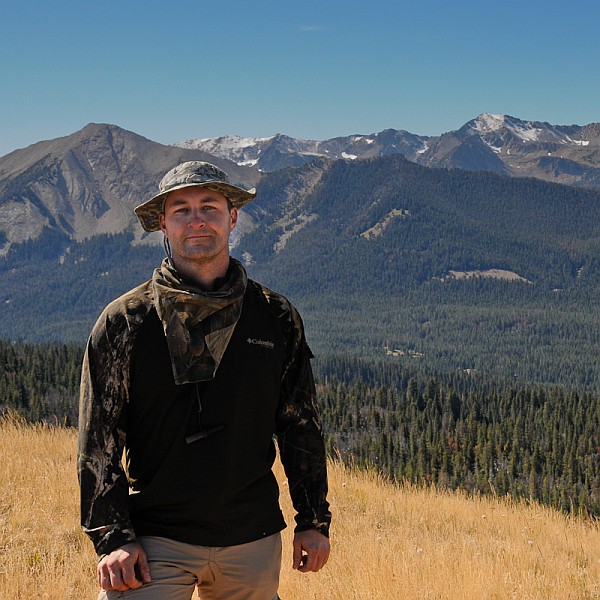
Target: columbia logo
264 343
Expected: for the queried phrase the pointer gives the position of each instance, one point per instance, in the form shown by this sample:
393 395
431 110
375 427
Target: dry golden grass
43 553
387 542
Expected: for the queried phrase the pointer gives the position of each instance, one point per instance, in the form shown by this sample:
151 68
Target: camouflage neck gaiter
198 325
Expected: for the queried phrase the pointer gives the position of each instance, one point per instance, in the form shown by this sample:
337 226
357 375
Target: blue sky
178 69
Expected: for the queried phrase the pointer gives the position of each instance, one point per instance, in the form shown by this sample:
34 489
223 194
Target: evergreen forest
390 294
489 385
464 431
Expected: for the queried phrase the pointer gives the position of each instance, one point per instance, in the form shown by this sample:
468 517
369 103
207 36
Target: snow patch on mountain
224 144
510 146
359 138
487 122
494 128
245 151
279 151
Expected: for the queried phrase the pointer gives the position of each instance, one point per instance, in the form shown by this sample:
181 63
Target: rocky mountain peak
487 122
88 183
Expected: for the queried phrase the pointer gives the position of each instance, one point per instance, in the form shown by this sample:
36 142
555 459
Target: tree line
461 431
41 382
466 432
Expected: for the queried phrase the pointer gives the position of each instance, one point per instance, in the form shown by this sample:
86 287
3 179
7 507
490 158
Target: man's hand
123 569
311 550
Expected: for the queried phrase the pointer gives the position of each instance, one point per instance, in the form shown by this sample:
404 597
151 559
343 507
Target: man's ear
161 222
233 215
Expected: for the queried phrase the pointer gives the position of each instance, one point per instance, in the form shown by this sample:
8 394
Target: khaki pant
245 572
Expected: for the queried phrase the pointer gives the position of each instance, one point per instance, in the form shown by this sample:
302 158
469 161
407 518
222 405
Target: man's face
197 222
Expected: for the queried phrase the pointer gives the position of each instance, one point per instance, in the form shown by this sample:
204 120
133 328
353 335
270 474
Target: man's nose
196 219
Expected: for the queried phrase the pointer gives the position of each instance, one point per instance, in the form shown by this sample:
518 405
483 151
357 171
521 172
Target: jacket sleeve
103 483
299 433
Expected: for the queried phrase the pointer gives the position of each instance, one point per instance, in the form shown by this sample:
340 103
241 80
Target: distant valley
423 251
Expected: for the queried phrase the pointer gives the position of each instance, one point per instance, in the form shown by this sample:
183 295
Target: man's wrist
114 540
322 528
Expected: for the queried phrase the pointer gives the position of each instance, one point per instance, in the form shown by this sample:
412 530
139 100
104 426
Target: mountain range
443 268
498 143
86 183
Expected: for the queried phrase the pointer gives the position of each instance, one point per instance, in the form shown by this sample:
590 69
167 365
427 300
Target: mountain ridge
568 154
455 268
467 270
87 183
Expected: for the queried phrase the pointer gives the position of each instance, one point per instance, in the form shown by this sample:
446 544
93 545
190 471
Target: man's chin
202 252
199 246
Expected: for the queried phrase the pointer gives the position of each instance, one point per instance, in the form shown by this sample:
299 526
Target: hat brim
148 212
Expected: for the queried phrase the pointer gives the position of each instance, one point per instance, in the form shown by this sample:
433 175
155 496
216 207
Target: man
191 375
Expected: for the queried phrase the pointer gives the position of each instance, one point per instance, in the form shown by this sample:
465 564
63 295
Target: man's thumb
297 557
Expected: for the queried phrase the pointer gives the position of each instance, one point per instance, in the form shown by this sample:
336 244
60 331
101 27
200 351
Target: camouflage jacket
102 436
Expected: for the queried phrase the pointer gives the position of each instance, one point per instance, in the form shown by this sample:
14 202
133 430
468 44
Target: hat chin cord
167 247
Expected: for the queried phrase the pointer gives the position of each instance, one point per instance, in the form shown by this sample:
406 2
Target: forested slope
459 432
443 270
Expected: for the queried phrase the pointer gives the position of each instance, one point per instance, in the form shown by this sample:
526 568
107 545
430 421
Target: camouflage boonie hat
187 174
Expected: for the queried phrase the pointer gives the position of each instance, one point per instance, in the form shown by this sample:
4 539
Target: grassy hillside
388 542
